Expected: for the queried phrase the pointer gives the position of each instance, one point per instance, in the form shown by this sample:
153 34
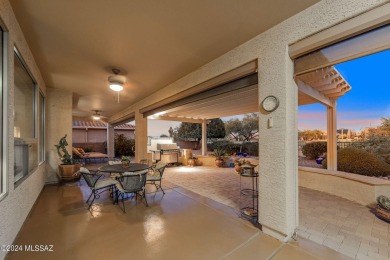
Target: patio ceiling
320 86
237 102
77 43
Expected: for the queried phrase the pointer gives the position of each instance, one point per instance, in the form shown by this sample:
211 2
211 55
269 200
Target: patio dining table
118 168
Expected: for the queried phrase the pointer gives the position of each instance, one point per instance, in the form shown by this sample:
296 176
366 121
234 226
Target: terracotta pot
69 172
219 162
191 162
237 168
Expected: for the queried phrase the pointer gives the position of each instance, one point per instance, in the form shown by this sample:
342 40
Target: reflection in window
26 143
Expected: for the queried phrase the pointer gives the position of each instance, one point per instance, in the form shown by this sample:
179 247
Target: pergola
324 86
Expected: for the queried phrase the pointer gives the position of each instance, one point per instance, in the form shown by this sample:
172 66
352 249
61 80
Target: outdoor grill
167 153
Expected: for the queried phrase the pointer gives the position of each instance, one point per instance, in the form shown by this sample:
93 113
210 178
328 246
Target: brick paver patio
340 224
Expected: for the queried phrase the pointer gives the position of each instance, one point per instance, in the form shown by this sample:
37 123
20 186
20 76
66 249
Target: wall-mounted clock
270 103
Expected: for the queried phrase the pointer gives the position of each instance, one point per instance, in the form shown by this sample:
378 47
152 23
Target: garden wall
358 188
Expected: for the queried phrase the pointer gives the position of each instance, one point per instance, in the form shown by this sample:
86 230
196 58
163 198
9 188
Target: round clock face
270 103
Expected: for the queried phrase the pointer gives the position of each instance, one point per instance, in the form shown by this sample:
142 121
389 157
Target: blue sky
365 104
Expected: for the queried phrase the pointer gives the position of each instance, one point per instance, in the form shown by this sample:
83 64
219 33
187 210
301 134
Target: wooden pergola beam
302 87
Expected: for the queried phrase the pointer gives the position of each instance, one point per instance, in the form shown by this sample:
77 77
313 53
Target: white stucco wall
58 124
16 205
278 200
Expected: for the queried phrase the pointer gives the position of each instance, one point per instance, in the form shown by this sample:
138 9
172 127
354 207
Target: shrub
231 148
361 162
314 149
123 146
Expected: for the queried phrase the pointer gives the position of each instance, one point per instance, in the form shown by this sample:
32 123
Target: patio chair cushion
80 150
155 177
114 162
105 183
75 151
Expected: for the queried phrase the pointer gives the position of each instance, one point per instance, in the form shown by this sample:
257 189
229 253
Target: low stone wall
358 188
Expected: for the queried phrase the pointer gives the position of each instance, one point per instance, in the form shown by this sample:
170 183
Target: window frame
41 128
18 55
4 185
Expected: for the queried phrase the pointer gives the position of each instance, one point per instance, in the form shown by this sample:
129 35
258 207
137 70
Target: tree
308 135
215 129
378 141
243 130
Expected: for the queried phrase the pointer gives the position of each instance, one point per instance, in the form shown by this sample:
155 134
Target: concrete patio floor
337 223
179 225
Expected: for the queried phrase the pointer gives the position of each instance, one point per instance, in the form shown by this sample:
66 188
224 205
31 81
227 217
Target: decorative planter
68 173
191 162
219 162
125 163
320 159
237 167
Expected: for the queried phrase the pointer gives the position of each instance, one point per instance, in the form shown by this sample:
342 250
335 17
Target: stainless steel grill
167 153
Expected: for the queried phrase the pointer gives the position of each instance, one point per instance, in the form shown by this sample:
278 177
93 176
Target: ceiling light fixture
160 113
116 81
97 115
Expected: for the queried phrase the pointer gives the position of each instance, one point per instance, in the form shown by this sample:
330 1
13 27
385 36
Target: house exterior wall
78 136
278 184
97 135
16 205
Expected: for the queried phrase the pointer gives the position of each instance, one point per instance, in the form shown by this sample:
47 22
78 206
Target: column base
276 234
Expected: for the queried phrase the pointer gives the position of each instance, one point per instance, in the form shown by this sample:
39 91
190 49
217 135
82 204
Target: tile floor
337 223
179 225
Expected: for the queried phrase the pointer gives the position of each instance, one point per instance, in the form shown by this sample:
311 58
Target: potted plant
69 170
192 161
219 153
382 209
125 161
238 163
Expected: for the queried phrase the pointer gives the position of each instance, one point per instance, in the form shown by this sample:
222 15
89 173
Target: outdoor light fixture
116 86
116 81
160 113
97 115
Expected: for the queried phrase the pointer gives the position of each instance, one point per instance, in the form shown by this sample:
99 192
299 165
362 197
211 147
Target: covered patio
187 62
179 225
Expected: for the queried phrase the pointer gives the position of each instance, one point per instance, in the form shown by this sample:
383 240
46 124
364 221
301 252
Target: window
41 127
25 134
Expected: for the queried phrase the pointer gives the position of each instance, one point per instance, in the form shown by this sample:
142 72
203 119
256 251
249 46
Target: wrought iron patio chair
157 175
114 161
131 182
96 184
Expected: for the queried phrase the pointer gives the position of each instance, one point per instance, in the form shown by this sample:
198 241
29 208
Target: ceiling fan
116 81
97 115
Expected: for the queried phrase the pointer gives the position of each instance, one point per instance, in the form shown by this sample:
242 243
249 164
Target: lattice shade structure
322 85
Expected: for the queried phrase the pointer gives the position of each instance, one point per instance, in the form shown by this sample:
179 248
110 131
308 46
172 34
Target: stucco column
204 137
278 145
58 124
141 136
110 141
331 153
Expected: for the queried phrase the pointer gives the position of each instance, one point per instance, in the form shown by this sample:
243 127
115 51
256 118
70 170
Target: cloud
356 120
358 123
